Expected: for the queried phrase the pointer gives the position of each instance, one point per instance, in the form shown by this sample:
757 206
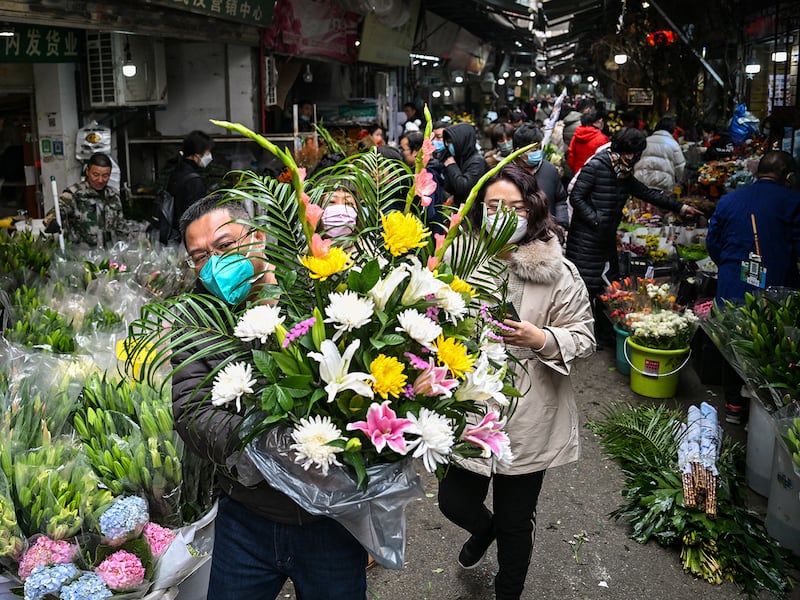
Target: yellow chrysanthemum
453 354
321 268
459 285
389 376
403 232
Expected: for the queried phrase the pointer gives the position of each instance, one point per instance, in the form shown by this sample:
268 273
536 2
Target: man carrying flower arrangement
262 536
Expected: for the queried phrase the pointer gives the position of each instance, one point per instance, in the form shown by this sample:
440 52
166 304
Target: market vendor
756 230
262 536
718 145
91 211
598 195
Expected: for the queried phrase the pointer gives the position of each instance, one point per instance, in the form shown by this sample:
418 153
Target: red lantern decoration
664 37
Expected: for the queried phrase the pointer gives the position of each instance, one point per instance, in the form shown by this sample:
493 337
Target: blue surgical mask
534 158
438 145
452 150
505 148
228 277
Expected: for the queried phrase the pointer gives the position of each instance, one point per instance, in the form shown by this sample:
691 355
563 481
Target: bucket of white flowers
657 349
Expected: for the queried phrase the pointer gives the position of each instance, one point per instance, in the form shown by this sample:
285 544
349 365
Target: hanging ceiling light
308 76
752 69
780 56
128 66
621 58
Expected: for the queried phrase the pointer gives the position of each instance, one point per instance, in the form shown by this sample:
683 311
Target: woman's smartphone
506 311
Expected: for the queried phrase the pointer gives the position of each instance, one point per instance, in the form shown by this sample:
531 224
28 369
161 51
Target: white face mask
519 232
205 160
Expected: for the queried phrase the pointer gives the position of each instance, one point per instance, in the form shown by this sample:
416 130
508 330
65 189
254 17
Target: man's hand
449 161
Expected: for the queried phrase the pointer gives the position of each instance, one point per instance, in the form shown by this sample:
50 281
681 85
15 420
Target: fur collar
537 261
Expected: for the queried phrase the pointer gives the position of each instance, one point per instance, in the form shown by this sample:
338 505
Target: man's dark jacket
469 166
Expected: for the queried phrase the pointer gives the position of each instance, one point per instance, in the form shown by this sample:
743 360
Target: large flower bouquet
376 346
629 298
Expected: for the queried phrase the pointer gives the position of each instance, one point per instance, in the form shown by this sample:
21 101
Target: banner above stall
39 44
313 28
251 12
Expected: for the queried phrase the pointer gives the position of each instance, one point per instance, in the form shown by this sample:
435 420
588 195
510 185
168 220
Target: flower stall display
374 349
650 444
69 421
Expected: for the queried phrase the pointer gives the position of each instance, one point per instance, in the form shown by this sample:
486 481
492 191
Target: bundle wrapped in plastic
375 515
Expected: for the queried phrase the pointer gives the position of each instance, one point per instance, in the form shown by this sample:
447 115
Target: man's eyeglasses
198 259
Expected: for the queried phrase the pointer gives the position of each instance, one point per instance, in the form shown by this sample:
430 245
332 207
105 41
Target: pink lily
433 381
320 247
383 427
424 186
488 435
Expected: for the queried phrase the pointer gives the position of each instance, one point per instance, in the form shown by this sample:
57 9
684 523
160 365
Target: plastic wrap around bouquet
374 515
374 345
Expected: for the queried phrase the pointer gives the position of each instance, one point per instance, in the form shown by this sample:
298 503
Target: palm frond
637 436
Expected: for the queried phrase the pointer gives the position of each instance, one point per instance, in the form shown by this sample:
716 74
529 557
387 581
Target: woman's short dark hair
197 142
500 131
628 140
666 124
541 225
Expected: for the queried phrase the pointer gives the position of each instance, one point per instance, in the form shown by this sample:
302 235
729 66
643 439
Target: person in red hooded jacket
586 140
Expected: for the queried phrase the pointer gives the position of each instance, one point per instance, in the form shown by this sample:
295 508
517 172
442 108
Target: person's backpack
163 219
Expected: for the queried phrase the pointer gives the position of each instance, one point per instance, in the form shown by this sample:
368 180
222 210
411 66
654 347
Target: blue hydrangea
48 580
124 517
88 587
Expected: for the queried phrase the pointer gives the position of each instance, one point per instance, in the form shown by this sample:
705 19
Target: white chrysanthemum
347 312
452 303
435 441
504 455
483 384
232 383
422 283
258 323
418 327
312 436
382 291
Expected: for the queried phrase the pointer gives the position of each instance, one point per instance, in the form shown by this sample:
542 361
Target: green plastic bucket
654 373
622 364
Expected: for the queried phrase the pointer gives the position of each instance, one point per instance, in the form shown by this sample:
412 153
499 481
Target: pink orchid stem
464 210
286 158
418 166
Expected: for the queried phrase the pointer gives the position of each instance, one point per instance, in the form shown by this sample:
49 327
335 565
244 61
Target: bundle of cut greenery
733 546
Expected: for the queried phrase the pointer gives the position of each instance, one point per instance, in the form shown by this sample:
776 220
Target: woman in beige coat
556 327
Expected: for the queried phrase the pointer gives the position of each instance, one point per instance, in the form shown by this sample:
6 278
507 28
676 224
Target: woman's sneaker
736 411
473 552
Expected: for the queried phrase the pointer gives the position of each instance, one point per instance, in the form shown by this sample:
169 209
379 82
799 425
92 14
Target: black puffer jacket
212 433
186 186
597 199
469 166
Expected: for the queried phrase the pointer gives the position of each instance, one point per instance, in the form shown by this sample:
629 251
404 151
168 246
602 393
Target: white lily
333 369
382 290
480 385
422 283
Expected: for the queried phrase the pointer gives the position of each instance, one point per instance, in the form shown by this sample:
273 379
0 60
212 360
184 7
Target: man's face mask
534 159
228 277
339 219
438 145
451 149
505 148
205 160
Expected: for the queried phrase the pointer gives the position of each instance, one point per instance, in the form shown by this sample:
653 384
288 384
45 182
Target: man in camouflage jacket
91 212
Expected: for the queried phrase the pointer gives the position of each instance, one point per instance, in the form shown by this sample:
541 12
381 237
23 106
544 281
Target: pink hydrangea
46 552
159 538
121 571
